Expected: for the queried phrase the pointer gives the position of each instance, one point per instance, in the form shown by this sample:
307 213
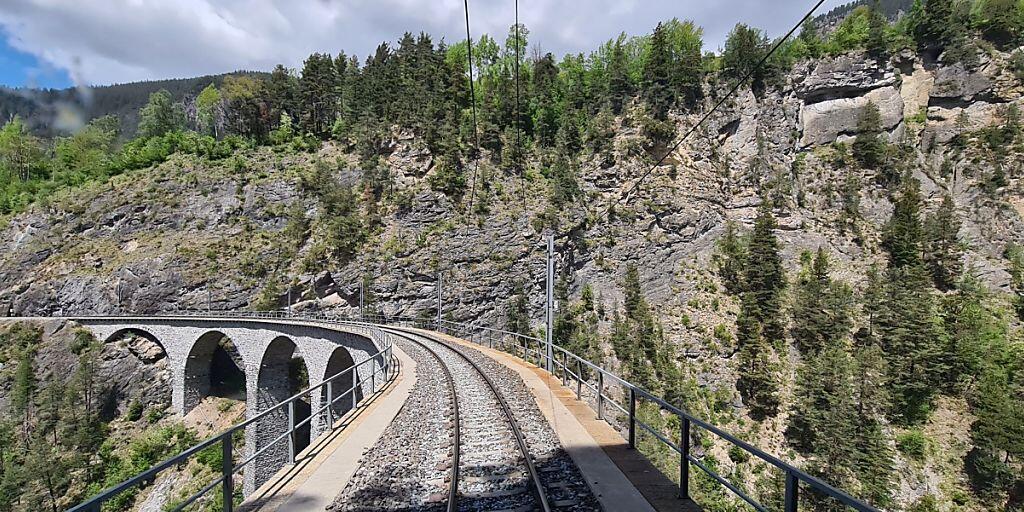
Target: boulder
824 122
845 76
957 84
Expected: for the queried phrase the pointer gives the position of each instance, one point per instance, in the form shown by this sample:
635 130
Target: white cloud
106 41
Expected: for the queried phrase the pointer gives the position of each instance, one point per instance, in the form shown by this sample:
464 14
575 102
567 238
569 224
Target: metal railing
533 349
224 439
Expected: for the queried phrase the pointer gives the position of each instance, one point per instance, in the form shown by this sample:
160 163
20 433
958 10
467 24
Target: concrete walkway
324 468
588 441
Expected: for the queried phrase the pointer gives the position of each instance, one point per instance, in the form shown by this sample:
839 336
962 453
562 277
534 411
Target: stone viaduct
266 348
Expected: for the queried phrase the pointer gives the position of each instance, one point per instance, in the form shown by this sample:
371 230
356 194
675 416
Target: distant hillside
55 111
891 8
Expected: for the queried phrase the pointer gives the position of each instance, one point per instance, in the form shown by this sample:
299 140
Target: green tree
518 318
943 253
160 116
730 258
935 27
210 111
21 153
1000 21
658 91
902 236
821 312
759 378
869 146
619 85
744 48
876 45
763 276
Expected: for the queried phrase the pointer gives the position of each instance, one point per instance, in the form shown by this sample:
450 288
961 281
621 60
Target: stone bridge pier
266 349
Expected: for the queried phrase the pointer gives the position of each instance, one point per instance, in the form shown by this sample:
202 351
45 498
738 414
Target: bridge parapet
266 344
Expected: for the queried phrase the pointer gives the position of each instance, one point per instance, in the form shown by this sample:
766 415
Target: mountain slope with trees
831 267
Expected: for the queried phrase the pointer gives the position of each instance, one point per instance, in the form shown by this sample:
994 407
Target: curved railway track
487 482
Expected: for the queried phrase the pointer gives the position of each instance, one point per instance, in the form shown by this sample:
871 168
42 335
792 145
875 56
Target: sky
58 43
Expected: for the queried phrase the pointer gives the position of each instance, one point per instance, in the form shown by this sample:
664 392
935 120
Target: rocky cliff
194 234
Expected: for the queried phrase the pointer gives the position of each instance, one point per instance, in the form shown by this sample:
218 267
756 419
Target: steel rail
453 487
538 487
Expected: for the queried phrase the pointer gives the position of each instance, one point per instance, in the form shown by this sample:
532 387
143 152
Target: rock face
129 368
831 120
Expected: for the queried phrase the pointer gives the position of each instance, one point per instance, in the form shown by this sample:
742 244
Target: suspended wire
519 118
742 80
472 98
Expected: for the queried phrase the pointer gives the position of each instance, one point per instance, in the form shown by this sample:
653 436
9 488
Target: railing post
291 432
355 385
227 470
330 405
600 395
684 460
792 492
373 381
632 417
565 368
579 379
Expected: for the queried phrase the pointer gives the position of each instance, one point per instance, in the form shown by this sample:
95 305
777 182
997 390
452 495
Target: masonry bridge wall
265 347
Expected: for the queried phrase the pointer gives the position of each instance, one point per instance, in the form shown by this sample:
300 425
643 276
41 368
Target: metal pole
291 432
684 460
330 405
289 299
550 300
792 492
438 301
632 417
209 300
360 299
227 468
579 379
600 395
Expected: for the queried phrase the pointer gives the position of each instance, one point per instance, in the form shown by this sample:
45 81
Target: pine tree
758 381
811 38
943 253
657 75
934 29
731 259
869 146
619 86
518 318
877 46
763 276
821 313
902 235
912 335
744 48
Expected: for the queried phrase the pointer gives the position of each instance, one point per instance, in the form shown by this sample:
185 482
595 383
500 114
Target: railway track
479 457
492 468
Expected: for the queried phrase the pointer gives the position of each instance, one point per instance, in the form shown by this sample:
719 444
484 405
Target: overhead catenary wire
472 104
732 91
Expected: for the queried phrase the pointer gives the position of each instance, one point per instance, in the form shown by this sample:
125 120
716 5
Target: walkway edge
326 466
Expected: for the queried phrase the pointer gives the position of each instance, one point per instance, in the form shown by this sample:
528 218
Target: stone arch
211 352
142 333
277 380
341 360
144 371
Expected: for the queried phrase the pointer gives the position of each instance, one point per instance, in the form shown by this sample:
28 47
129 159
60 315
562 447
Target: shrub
913 444
135 409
